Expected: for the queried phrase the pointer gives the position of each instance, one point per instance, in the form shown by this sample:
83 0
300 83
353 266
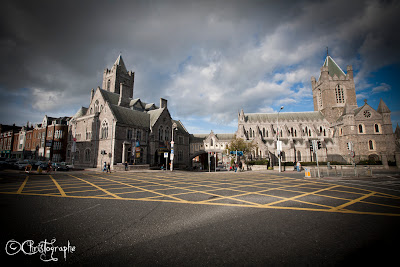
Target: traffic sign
165 154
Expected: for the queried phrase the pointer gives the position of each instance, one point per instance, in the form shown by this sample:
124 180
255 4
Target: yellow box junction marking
58 187
22 186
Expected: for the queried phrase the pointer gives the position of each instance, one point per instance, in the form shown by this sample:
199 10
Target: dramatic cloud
208 58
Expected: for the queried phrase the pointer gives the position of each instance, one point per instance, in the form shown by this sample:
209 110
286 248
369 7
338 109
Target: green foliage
240 145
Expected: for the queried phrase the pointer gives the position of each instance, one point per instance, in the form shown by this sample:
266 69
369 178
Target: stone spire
383 108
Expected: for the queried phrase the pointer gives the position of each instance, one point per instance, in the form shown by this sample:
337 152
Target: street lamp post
279 147
174 127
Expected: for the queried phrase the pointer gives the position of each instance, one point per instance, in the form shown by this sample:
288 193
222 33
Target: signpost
316 146
166 160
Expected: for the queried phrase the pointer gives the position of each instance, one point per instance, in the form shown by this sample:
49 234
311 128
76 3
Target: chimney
123 95
163 103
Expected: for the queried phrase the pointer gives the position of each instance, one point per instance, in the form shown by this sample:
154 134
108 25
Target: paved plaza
199 218
247 189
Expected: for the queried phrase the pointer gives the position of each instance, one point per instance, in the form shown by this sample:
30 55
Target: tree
241 145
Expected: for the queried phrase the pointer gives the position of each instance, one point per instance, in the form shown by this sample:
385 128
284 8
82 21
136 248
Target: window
87 155
160 133
377 128
138 134
104 130
251 133
263 132
360 128
339 94
129 134
180 155
108 84
319 98
96 106
212 142
371 145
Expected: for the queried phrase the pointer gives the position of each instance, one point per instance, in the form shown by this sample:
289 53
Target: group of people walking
106 167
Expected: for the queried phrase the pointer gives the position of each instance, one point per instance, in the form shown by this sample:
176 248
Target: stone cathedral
337 122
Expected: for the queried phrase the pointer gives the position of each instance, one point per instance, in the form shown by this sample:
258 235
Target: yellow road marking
58 187
302 195
192 191
98 187
353 201
22 186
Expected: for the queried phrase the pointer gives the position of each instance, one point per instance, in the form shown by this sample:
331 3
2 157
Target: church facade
116 128
346 132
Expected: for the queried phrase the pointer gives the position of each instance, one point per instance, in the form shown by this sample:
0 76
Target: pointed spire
120 62
397 132
383 108
333 68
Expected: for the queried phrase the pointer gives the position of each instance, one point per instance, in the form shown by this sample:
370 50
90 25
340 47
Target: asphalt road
197 219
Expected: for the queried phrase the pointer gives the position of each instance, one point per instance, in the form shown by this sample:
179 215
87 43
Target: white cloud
383 87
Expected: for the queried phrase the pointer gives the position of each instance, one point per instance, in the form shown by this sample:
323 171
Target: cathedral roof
383 108
285 116
130 117
333 68
81 112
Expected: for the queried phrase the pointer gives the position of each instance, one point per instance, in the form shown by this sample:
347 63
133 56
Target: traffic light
311 147
319 145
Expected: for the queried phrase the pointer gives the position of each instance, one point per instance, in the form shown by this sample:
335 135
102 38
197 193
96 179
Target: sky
209 59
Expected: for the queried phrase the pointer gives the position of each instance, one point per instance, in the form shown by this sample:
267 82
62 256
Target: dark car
60 166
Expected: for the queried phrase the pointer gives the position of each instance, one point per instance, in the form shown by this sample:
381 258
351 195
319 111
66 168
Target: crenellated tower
112 78
334 90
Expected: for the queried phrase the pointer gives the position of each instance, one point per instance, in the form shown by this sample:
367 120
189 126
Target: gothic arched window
339 94
96 106
104 130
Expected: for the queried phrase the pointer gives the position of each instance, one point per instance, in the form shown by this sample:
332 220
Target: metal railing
339 171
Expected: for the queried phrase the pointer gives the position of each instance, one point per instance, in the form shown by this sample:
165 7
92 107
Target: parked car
60 166
21 165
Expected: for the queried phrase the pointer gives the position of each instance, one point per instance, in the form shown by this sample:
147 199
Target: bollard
341 169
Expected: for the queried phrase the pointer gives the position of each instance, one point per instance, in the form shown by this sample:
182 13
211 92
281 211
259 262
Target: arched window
377 128
108 84
167 134
309 132
104 130
96 106
212 142
339 94
160 133
267 133
263 132
295 133
251 132
298 155
87 155
371 145
360 128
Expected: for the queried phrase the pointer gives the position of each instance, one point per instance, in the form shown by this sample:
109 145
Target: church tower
333 90
112 78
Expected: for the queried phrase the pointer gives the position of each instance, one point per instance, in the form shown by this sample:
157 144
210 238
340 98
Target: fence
339 171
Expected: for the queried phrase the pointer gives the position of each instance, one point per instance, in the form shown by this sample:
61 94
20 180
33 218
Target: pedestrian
108 167
240 166
49 167
298 166
105 167
236 166
126 165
